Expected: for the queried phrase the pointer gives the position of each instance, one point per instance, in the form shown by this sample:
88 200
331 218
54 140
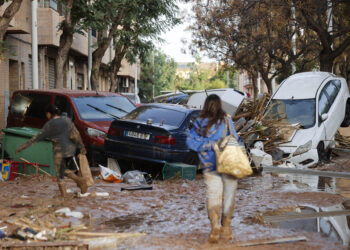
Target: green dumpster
41 152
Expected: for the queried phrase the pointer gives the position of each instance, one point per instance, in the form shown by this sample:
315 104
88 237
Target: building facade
16 64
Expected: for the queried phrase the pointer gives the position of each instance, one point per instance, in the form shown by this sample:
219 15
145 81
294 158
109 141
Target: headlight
303 148
95 132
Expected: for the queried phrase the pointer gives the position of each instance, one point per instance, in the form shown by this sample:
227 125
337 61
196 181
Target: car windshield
101 108
158 115
292 111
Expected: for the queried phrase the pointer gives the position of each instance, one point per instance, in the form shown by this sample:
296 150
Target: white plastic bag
134 177
110 175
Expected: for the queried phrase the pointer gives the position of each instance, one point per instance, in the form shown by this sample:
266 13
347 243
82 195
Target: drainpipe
35 44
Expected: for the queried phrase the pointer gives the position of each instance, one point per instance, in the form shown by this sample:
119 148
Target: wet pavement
173 215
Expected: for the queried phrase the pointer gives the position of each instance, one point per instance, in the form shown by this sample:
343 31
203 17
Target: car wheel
322 154
346 121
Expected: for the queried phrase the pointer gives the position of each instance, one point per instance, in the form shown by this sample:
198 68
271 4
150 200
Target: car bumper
306 159
96 155
129 150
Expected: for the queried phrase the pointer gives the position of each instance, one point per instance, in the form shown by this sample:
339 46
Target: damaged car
319 103
154 133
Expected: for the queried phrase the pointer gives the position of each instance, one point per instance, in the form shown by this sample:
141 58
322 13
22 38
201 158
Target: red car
92 113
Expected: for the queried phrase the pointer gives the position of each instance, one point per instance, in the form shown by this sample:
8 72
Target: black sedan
153 132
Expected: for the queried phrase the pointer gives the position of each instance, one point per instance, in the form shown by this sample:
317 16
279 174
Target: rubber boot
62 188
214 214
80 181
226 232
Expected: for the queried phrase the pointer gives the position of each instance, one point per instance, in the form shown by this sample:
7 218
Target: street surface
173 215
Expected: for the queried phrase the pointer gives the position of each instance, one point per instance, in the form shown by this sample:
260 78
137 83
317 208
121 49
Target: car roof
301 85
69 92
177 107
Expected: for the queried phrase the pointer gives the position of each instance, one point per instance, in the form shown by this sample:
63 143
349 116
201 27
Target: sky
174 45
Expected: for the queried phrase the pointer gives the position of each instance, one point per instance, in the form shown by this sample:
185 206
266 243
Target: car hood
298 138
100 125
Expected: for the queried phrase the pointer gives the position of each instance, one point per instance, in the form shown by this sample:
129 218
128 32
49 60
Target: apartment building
15 66
245 83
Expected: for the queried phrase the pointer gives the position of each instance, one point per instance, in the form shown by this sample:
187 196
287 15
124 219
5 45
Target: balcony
48 21
22 21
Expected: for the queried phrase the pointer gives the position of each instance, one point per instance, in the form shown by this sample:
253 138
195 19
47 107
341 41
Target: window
102 108
327 96
63 104
30 104
300 111
158 115
323 104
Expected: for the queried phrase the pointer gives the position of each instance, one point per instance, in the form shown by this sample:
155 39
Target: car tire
346 121
323 154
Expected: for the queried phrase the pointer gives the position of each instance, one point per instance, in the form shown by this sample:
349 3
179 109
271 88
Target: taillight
115 132
169 140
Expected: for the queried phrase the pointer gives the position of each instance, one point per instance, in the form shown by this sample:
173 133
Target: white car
319 102
231 99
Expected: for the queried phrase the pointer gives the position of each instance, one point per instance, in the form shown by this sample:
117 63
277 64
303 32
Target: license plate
137 135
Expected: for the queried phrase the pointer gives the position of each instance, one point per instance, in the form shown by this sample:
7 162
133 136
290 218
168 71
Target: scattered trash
20 205
69 191
80 195
2 234
260 158
113 164
67 212
12 214
85 169
24 197
139 187
102 194
276 241
134 177
110 175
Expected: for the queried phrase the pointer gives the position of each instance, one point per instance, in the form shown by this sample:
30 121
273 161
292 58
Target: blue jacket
204 145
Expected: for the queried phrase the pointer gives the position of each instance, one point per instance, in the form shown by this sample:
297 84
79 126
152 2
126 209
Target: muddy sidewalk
172 216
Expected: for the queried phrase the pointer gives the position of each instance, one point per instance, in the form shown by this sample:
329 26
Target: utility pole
294 44
89 56
153 74
136 90
228 78
35 44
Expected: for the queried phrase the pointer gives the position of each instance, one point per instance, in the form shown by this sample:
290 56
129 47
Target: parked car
132 97
319 102
173 98
153 132
92 113
231 99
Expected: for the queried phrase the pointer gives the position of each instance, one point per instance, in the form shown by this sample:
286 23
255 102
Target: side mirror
324 117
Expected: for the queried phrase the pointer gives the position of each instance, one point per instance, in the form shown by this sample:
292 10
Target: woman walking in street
65 138
220 188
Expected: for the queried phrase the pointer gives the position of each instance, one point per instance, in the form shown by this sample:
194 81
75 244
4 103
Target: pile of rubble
252 125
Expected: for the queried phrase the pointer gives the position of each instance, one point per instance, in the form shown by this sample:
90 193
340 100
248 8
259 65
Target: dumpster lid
24 131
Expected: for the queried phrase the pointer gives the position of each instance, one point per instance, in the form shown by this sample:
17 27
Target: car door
330 104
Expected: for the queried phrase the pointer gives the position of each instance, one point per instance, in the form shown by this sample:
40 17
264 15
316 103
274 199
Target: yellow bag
231 159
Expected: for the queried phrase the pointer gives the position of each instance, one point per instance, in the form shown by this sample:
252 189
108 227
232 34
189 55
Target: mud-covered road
173 215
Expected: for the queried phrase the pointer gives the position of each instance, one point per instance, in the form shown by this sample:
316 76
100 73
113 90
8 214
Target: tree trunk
103 44
66 40
113 80
6 18
326 61
115 66
267 81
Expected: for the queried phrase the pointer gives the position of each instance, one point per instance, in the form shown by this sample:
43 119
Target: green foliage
216 84
158 69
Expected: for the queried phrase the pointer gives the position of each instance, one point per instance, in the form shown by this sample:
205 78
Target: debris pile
342 141
252 125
